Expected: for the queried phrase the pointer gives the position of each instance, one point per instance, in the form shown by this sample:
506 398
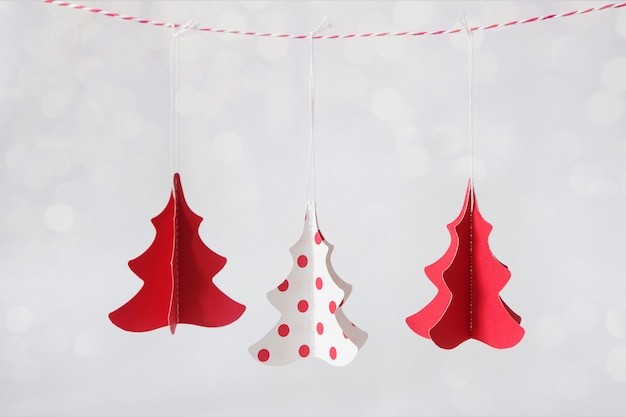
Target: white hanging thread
468 31
174 122
311 168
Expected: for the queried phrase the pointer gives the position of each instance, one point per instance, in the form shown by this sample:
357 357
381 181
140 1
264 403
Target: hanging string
470 75
311 168
143 21
174 79
174 129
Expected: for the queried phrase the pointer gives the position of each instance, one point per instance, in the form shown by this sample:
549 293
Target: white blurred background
85 144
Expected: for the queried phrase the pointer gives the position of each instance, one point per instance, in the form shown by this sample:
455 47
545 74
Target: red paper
177 270
468 279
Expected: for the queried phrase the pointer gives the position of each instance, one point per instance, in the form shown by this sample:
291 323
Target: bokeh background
85 143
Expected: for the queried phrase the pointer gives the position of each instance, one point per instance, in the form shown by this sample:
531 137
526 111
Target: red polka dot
318 237
341 303
332 307
318 283
345 335
302 261
303 306
333 353
283 330
304 351
283 287
263 355
320 328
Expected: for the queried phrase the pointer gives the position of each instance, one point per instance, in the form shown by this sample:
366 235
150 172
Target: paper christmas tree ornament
468 279
177 270
310 300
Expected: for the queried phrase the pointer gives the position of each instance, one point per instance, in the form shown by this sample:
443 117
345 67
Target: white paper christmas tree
310 300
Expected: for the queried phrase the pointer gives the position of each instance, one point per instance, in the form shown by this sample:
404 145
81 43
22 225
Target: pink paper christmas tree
468 279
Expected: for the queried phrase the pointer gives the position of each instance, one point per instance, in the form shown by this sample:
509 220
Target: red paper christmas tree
468 279
177 270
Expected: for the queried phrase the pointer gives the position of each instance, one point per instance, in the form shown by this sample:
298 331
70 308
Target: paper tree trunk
177 270
468 279
310 300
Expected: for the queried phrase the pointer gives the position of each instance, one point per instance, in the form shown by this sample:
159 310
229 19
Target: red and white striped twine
344 36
